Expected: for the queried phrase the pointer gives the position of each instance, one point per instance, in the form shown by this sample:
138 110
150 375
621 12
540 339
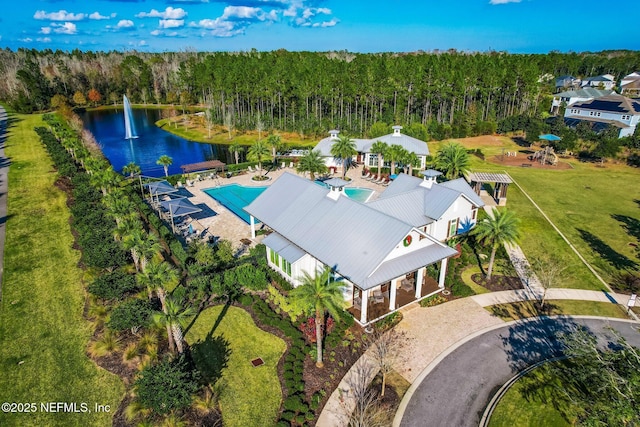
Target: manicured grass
43 333
249 396
526 309
466 278
514 409
221 136
596 209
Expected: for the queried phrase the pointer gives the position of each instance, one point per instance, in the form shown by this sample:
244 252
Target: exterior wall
416 243
462 210
628 119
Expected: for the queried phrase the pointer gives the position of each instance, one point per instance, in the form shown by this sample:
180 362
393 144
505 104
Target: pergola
500 180
179 207
203 166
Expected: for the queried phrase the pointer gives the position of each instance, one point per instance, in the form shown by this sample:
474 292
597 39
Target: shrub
250 277
166 387
131 314
178 251
113 286
287 305
433 300
308 328
460 289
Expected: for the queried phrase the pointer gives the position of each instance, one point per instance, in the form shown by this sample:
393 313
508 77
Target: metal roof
437 200
411 144
349 236
408 207
401 184
430 173
410 262
462 186
587 92
336 182
501 178
285 248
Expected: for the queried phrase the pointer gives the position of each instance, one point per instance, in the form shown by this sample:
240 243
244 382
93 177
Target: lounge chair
386 183
179 184
372 178
291 165
283 165
367 175
381 180
250 169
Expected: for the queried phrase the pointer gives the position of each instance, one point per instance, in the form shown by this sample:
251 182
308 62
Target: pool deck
226 225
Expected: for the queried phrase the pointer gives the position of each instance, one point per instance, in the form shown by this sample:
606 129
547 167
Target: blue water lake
108 128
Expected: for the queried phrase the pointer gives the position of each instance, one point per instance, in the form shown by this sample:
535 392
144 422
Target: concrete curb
414 386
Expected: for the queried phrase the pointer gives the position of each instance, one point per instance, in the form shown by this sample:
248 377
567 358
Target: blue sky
519 26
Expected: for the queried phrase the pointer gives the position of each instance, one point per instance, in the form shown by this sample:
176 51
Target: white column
419 279
252 221
443 271
392 294
364 303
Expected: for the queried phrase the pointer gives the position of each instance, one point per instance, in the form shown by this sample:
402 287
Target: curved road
457 390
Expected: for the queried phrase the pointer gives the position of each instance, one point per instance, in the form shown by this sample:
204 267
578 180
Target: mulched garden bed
498 283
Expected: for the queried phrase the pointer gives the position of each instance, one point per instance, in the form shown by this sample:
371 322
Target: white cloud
142 43
26 40
125 23
171 23
45 30
61 15
503 1
156 33
168 13
218 27
66 28
44 39
326 24
96 16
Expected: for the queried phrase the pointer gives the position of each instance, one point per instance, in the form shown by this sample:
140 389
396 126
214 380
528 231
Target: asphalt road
456 392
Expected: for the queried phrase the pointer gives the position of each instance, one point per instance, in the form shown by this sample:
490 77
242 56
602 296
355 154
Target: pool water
235 197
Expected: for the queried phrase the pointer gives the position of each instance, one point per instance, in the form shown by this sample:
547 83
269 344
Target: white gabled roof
347 235
410 143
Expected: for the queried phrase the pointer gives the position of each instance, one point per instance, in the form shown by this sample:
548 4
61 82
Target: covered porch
369 305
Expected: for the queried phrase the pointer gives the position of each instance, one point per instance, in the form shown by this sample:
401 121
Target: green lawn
249 396
514 409
596 208
43 334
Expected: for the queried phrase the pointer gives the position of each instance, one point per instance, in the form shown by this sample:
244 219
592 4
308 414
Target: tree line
448 94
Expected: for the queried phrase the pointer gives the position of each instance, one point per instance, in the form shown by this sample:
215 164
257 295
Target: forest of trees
450 94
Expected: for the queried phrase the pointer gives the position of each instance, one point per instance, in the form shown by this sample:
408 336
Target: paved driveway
457 390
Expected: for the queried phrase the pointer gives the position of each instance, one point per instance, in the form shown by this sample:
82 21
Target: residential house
630 84
570 97
567 82
605 81
363 148
615 110
389 253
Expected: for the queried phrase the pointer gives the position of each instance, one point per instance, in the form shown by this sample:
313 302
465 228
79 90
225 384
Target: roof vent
336 187
396 130
333 134
430 176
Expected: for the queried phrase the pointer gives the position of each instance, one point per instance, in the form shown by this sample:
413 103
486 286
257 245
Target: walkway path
4 186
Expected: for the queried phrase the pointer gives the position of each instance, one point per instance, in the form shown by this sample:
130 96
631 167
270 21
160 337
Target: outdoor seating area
378 303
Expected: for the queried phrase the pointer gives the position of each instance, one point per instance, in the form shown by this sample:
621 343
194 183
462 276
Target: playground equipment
545 156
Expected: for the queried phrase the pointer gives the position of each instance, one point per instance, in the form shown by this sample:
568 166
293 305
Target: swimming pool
235 197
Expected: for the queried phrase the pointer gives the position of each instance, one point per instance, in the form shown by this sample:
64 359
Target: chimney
336 187
333 134
430 176
396 131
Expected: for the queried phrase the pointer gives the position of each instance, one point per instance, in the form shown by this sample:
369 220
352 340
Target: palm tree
275 142
148 248
258 152
126 226
412 160
105 179
312 163
380 148
175 318
320 294
165 161
496 230
343 150
131 169
236 149
156 277
395 153
132 242
452 160
119 206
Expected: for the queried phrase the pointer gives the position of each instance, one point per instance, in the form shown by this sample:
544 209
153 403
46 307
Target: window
625 117
373 160
453 227
474 214
275 258
286 267
598 114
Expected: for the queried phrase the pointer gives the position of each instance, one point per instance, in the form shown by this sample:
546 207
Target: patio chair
367 175
250 169
377 297
386 183
291 165
283 165
372 178
379 180
406 285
